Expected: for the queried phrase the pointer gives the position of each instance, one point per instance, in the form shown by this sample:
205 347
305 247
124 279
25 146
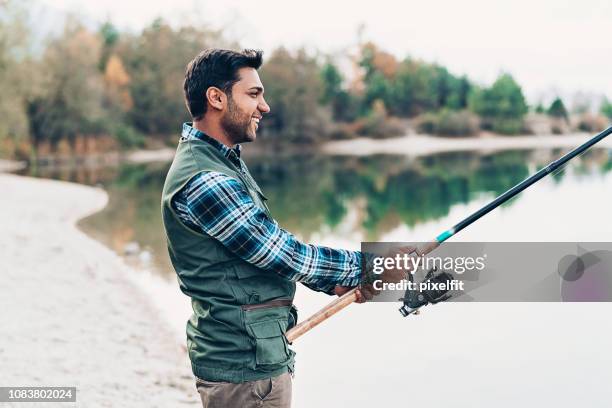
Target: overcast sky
548 45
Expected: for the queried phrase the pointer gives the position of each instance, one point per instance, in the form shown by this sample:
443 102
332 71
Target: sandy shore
147 156
71 317
421 145
11 165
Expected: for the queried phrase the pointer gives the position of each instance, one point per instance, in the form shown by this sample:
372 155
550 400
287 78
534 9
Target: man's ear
216 98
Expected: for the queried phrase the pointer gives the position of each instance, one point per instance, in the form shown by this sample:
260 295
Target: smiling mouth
256 122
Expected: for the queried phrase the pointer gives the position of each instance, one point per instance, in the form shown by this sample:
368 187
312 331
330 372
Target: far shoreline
425 145
411 145
408 145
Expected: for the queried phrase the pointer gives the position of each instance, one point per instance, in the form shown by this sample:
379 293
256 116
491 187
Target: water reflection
351 198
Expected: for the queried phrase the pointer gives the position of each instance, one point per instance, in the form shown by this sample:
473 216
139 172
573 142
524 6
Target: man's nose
263 107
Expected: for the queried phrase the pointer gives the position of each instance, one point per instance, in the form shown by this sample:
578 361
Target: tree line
98 89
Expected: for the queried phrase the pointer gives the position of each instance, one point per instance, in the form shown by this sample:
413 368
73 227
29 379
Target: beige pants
268 393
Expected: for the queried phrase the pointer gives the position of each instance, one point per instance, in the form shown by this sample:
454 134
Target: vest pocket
270 343
266 327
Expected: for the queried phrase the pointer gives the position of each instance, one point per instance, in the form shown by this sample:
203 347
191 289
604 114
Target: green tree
403 90
502 106
332 82
341 102
110 37
557 109
606 108
459 93
377 88
410 87
109 33
416 88
425 92
444 82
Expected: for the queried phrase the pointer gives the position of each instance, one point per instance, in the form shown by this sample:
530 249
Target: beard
237 124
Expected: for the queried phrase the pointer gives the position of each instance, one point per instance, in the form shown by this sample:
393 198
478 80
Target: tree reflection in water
315 194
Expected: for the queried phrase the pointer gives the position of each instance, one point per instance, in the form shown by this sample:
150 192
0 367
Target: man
234 261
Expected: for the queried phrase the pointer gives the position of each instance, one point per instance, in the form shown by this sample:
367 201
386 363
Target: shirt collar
190 133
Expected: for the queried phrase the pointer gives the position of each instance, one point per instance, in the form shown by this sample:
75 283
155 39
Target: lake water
461 354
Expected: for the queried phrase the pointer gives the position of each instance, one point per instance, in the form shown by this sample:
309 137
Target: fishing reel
414 298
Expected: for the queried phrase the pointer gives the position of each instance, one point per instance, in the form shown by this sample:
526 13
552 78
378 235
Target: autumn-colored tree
70 99
15 66
374 59
117 81
155 61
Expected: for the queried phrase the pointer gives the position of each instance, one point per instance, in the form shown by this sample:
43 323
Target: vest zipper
266 305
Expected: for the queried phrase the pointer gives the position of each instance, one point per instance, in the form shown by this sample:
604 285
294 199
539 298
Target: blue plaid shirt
220 206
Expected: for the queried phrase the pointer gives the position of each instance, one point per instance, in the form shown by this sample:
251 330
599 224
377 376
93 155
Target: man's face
246 106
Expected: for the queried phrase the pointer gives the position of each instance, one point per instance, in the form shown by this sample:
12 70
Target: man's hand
363 292
366 292
396 275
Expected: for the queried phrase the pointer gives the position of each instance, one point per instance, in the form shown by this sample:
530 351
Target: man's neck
213 130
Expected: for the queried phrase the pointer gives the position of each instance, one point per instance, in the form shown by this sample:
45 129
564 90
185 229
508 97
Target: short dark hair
218 68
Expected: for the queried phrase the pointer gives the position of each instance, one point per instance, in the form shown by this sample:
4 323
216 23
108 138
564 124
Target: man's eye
254 95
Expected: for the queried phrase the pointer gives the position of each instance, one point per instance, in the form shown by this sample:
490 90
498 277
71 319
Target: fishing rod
412 305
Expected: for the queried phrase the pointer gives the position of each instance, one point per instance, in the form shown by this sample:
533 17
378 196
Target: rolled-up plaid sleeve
221 207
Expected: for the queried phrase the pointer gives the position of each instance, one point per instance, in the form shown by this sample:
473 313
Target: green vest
240 312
